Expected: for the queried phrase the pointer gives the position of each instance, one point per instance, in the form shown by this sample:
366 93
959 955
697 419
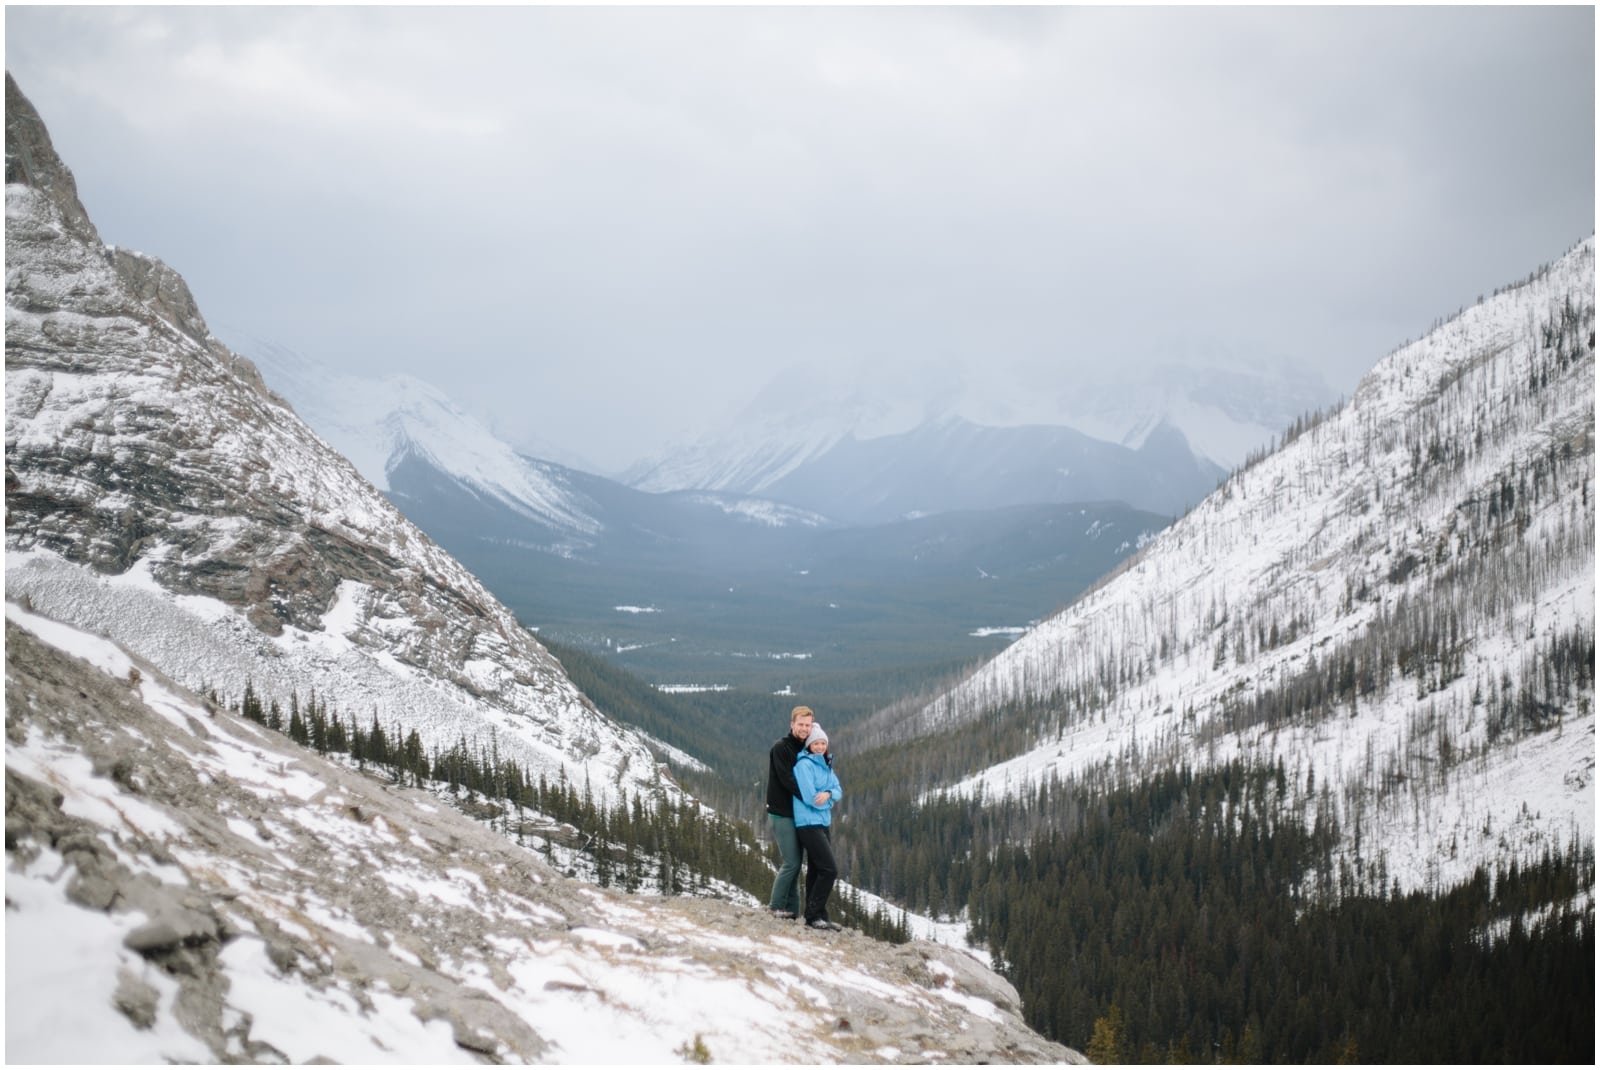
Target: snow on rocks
158 492
185 885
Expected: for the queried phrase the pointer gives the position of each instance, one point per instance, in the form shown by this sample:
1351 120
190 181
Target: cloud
274 80
617 218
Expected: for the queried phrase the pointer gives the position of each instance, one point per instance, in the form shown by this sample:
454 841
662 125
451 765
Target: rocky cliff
158 491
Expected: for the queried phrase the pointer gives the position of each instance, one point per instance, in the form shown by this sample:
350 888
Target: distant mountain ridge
808 421
938 465
953 464
863 460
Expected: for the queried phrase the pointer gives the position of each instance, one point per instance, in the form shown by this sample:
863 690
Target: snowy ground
450 944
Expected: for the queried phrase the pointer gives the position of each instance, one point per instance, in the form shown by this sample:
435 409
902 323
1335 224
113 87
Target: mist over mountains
936 548
852 465
809 424
954 464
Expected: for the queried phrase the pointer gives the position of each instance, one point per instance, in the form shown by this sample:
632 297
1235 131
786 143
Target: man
781 792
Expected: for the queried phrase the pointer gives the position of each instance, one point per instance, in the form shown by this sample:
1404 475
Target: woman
813 809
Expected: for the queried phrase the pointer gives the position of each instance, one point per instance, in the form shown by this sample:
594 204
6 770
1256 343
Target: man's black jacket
781 786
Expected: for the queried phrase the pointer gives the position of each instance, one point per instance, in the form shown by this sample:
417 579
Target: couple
801 789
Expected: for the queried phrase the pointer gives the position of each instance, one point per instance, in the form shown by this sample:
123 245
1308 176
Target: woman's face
819 746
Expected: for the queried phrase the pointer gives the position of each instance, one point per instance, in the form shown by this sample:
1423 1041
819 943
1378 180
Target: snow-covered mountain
380 424
952 464
158 492
1225 407
1396 608
437 461
945 465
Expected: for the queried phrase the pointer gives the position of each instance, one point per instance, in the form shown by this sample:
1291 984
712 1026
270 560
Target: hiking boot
822 924
783 915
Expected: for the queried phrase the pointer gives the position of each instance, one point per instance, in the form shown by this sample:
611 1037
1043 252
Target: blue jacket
813 773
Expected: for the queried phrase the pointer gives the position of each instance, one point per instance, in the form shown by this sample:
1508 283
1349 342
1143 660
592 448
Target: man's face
800 727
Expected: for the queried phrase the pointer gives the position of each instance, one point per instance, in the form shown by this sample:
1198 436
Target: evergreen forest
1180 917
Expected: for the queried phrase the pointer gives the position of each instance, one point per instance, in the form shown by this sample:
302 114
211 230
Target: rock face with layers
155 488
184 885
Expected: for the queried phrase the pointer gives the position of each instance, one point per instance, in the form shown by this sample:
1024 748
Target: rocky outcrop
128 397
162 290
258 904
31 161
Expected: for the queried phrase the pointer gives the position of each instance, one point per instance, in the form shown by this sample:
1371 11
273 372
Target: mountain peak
381 423
31 161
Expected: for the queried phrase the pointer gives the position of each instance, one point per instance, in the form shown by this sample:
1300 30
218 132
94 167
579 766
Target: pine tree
297 724
1105 1045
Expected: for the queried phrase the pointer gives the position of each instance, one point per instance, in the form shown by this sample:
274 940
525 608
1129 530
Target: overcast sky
597 226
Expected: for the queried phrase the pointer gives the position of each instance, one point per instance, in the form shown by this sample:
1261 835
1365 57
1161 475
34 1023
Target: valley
865 566
809 612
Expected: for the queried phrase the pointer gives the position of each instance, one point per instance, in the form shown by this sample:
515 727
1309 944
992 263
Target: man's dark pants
786 887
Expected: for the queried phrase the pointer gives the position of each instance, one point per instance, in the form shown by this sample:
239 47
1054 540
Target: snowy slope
1383 606
183 885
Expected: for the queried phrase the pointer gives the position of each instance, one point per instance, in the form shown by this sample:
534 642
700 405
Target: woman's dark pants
821 871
